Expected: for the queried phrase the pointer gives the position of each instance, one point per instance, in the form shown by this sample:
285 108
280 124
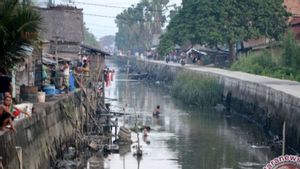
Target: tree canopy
90 39
19 27
219 22
139 23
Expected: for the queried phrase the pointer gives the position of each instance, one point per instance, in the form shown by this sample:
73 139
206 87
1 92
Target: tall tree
90 39
219 22
19 27
139 23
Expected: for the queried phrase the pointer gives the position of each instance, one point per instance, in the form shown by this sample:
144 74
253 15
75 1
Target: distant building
295 26
63 28
293 7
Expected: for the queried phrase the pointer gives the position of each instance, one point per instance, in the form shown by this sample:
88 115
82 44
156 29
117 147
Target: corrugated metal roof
96 50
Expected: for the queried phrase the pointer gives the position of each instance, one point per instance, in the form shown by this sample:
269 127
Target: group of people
156 113
176 58
8 112
108 76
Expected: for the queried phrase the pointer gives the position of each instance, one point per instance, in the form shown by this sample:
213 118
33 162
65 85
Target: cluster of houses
62 41
218 56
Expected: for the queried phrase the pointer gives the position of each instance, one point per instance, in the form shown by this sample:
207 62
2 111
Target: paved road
285 86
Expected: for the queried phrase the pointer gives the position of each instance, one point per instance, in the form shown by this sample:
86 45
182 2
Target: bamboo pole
20 157
283 137
1 165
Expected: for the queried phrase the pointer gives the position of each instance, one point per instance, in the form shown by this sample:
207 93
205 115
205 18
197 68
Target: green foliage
138 24
255 63
107 40
197 89
19 27
219 22
267 65
90 39
166 46
291 53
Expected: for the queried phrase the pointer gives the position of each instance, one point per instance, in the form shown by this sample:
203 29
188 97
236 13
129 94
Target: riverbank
184 136
266 101
42 136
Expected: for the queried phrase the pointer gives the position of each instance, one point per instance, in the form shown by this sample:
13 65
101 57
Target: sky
108 9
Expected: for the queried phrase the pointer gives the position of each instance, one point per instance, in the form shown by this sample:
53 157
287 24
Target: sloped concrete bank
266 101
43 135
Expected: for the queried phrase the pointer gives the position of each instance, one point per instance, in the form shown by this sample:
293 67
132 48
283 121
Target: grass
197 89
266 63
282 63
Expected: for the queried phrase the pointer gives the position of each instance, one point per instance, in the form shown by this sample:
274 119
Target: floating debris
260 147
93 145
250 165
66 164
95 163
136 149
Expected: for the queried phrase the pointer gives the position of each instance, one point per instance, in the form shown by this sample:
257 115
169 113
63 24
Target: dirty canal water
183 137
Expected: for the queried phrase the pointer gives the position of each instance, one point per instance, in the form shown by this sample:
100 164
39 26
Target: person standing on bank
66 72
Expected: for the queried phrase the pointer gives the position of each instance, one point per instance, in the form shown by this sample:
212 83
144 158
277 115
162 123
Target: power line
97 15
125 19
98 25
119 7
102 5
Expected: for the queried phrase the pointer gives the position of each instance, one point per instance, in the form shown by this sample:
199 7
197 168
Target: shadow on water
184 137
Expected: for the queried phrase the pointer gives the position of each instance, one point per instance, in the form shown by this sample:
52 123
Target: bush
291 52
254 63
197 89
268 65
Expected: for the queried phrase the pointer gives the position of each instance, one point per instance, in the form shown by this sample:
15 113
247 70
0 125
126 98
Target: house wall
42 136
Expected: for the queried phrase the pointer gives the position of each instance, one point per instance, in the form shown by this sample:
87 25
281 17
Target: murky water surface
183 137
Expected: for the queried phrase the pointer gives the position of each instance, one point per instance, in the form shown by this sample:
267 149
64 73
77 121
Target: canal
184 137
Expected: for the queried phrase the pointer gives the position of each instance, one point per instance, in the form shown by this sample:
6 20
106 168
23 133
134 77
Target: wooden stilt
1 164
20 158
283 137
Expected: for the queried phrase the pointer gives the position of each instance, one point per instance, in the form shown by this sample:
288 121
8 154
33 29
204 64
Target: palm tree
19 27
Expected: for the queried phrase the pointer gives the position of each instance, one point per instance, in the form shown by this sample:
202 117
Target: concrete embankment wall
255 97
43 135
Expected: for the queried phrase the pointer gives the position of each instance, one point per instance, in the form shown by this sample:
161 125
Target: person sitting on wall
6 117
14 110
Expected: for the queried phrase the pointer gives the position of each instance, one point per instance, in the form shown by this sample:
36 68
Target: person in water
156 111
146 132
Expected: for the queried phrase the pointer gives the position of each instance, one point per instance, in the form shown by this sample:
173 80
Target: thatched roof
62 24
